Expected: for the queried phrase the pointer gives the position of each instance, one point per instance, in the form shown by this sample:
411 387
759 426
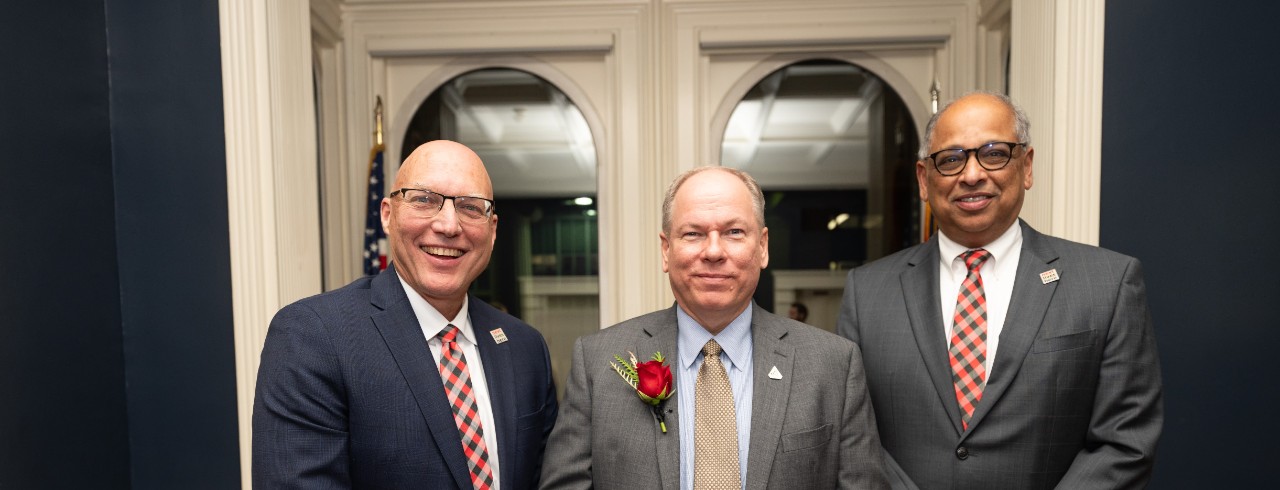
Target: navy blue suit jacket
349 395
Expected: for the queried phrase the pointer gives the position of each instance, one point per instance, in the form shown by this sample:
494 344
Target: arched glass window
540 154
833 147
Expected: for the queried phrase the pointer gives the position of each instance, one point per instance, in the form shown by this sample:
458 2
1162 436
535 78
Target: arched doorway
540 154
833 148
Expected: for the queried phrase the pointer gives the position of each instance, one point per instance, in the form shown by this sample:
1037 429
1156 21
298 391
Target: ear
764 248
386 215
666 250
493 230
1027 180
921 180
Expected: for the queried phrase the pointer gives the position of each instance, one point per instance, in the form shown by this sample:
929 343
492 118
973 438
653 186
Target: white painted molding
250 177
293 144
1077 178
1056 75
487 44
341 236
550 39
1031 84
271 186
875 32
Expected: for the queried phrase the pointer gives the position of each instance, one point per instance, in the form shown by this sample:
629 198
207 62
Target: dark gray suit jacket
1074 399
349 396
811 429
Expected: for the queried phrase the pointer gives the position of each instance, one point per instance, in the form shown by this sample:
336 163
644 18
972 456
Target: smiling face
714 248
441 255
977 205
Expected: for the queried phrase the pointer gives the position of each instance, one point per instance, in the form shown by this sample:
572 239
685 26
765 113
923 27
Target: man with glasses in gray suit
998 357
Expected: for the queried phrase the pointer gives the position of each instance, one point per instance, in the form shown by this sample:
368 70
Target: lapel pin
774 373
1049 276
498 335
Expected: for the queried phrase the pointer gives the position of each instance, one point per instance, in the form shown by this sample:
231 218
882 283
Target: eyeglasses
992 156
426 204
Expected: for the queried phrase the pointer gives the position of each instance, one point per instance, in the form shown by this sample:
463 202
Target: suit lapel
499 378
770 396
920 292
400 330
662 338
1027 307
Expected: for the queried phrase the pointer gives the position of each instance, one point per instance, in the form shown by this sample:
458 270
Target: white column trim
1056 76
271 177
1077 179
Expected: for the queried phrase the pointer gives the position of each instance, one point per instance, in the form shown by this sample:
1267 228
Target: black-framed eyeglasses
992 156
426 204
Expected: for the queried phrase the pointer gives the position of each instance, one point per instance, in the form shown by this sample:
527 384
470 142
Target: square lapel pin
1049 276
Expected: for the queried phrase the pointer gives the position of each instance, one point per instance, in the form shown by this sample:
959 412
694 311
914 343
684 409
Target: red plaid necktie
457 385
969 337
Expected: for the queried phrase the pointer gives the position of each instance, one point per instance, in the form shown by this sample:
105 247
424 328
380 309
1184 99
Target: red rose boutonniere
651 380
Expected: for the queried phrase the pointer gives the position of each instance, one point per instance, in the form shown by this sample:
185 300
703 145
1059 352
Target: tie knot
449 334
973 259
711 349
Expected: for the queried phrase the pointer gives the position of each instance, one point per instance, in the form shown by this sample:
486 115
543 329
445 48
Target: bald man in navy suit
350 392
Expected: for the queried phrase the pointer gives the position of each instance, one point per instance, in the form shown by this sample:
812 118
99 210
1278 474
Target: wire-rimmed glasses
426 204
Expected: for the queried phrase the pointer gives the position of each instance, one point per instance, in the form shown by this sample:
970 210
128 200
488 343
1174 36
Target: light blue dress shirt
735 340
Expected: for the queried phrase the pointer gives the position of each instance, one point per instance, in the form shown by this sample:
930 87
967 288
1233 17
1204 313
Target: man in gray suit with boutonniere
759 401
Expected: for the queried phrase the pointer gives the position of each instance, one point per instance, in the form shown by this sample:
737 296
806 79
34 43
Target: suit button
962 452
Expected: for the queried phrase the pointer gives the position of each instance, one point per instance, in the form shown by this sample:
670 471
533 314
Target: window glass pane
833 147
540 155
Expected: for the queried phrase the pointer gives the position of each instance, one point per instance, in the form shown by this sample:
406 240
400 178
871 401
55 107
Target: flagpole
927 225
377 122
375 241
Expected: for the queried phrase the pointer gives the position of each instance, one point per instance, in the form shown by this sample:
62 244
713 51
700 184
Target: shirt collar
432 321
735 339
1000 248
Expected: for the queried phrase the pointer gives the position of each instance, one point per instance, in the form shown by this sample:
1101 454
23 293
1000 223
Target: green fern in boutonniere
651 380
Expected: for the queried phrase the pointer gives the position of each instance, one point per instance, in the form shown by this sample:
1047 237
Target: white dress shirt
432 322
998 274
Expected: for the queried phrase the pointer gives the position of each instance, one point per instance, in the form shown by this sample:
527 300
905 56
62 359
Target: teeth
447 252
972 199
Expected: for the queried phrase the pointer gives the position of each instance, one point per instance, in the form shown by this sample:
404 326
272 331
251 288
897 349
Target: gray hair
757 196
1021 123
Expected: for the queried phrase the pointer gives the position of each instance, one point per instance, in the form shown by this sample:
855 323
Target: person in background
798 312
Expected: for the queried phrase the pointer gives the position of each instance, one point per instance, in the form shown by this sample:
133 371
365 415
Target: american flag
375 239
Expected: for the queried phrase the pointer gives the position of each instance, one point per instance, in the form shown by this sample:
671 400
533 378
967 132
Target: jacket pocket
1064 342
806 439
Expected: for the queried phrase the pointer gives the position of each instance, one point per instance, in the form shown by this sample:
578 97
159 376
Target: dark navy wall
172 233
62 390
117 364
1189 180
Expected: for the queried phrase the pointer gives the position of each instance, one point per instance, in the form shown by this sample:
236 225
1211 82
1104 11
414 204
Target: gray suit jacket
1074 399
811 429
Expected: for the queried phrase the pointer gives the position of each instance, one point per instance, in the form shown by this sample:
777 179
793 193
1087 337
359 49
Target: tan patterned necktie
715 453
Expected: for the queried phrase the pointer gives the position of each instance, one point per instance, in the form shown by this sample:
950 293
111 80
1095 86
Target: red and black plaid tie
969 337
457 384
